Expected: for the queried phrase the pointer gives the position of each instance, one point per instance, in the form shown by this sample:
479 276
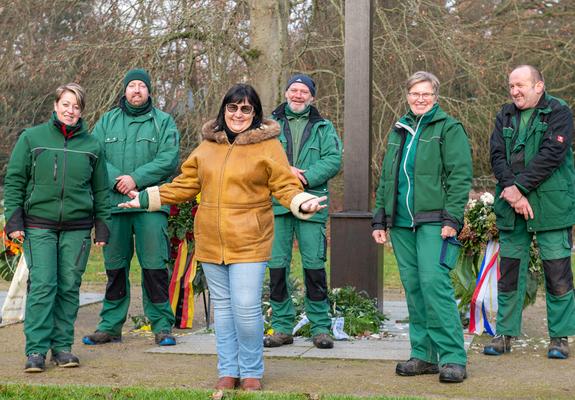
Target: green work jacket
54 182
146 147
319 155
442 173
542 169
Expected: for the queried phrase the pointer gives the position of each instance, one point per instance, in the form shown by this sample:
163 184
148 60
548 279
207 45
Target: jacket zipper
413 133
396 180
63 180
414 165
55 167
220 202
28 202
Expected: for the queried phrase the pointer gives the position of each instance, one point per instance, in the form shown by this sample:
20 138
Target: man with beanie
314 152
141 145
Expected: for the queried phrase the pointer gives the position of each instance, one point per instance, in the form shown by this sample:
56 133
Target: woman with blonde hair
55 191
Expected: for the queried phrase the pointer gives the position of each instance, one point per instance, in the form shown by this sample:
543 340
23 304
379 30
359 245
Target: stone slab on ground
85 299
393 345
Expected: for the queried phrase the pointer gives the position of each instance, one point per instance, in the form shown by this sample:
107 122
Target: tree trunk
268 39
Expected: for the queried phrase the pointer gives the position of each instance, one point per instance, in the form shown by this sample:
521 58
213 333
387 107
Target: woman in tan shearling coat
238 166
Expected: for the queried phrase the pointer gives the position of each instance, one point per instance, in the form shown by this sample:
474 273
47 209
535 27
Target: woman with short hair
424 186
55 191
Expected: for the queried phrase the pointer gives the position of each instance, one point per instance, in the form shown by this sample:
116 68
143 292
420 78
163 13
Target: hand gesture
134 203
313 205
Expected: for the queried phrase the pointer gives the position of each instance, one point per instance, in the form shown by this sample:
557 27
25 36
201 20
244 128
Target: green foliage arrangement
180 227
362 318
360 313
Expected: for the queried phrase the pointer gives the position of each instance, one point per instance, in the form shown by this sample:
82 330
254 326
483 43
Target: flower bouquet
9 255
478 230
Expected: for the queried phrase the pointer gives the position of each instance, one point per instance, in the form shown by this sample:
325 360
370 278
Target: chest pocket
313 153
147 145
114 146
391 159
536 137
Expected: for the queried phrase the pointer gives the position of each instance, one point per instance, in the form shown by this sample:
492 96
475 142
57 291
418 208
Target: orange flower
11 246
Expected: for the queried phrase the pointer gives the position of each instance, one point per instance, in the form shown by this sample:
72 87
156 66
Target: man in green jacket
142 145
314 153
532 160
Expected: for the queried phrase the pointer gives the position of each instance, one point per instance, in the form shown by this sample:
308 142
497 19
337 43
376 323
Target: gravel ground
526 373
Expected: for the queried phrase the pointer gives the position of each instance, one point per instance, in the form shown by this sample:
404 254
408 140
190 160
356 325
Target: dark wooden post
355 258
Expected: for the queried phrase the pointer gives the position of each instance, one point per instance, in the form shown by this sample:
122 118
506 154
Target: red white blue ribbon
483 311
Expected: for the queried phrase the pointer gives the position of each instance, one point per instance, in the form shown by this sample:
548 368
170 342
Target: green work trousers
313 247
555 251
56 261
435 330
149 231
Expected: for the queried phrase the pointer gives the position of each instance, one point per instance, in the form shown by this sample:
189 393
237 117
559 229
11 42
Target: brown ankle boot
227 383
251 384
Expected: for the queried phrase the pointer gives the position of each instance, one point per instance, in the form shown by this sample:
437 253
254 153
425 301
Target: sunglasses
245 109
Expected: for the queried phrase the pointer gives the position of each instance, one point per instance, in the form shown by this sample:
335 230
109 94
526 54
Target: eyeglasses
424 96
245 109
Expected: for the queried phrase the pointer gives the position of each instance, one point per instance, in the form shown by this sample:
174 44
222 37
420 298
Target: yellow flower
198 197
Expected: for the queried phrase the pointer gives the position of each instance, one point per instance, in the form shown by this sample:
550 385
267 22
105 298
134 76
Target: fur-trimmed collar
268 129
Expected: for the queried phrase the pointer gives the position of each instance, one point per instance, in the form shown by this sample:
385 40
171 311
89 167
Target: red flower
174 210
194 210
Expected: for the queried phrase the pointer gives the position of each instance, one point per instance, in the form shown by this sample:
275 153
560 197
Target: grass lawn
66 392
95 272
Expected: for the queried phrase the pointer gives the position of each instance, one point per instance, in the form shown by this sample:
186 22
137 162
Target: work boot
165 338
100 337
251 384
558 348
35 363
499 344
452 373
323 341
277 339
415 366
65 359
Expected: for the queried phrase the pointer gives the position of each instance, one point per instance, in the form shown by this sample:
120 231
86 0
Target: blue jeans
236 290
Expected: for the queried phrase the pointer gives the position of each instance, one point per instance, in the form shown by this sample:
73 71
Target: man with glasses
532 161
142 146
314 151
